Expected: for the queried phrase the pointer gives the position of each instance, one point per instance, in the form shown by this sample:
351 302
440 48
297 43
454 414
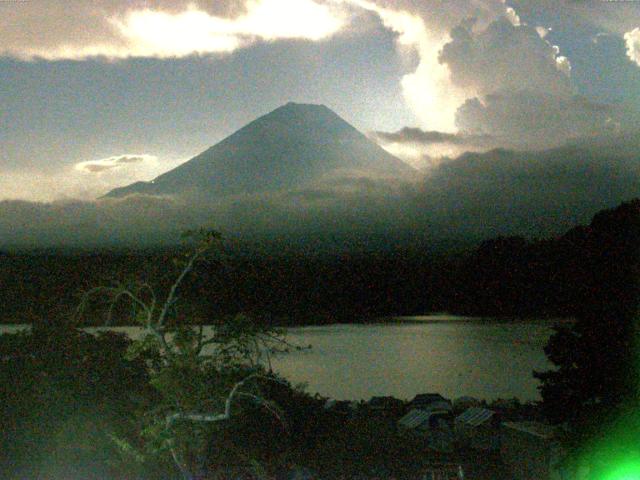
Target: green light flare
628 469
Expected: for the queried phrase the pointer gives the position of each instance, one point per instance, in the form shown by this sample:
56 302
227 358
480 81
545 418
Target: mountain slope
290 147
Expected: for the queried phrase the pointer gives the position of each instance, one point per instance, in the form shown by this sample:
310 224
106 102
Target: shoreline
426 319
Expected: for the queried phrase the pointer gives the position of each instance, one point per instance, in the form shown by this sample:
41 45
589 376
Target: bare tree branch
226 415
176 284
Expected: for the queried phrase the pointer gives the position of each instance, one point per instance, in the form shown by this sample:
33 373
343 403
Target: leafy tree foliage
203 375
63 395
597 377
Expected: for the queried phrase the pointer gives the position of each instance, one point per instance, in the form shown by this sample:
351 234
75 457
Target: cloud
485 78
347 204
98 166
130 159
73 223
467 73
85 180
121 29
504 57
440 17
525 95
476 196
428 90
468 49
428 137
532 193
534 120
632 40
614 17
425 149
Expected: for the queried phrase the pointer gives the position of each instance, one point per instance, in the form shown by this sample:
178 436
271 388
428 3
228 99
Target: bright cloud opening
152 33
428 90
170 34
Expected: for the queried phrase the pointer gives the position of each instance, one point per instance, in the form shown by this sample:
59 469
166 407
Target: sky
95 95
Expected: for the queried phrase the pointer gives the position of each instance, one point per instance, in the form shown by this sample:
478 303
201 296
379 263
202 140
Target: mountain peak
306 115
302 105
288 147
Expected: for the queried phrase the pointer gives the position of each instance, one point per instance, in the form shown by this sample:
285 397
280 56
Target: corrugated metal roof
541 430
475 416
415 418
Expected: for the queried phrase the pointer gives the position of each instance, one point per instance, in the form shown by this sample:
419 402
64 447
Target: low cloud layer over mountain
473 197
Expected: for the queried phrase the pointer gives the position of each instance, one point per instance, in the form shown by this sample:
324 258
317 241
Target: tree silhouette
203 374
597 371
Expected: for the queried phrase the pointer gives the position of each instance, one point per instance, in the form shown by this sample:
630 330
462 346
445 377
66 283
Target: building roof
339 405
423 400
415 418
475 416
418 417
537 429
384 402
466 398
428 397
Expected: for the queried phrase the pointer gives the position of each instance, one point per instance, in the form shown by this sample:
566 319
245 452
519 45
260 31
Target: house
386 405
460 404
441 406
478 428
344 408
424 400
530 450
416 420
434 425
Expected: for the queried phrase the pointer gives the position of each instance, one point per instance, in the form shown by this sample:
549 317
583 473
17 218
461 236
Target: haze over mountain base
301 175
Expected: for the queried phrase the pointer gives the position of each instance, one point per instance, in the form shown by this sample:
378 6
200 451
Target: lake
453 356
450 355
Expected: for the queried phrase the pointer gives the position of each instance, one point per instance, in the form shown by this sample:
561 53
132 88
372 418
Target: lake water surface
450 355
453 356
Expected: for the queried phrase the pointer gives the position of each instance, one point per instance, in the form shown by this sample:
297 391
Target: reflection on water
454 356
458 357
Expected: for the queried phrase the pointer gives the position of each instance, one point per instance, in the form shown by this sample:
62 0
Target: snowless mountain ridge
290 147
